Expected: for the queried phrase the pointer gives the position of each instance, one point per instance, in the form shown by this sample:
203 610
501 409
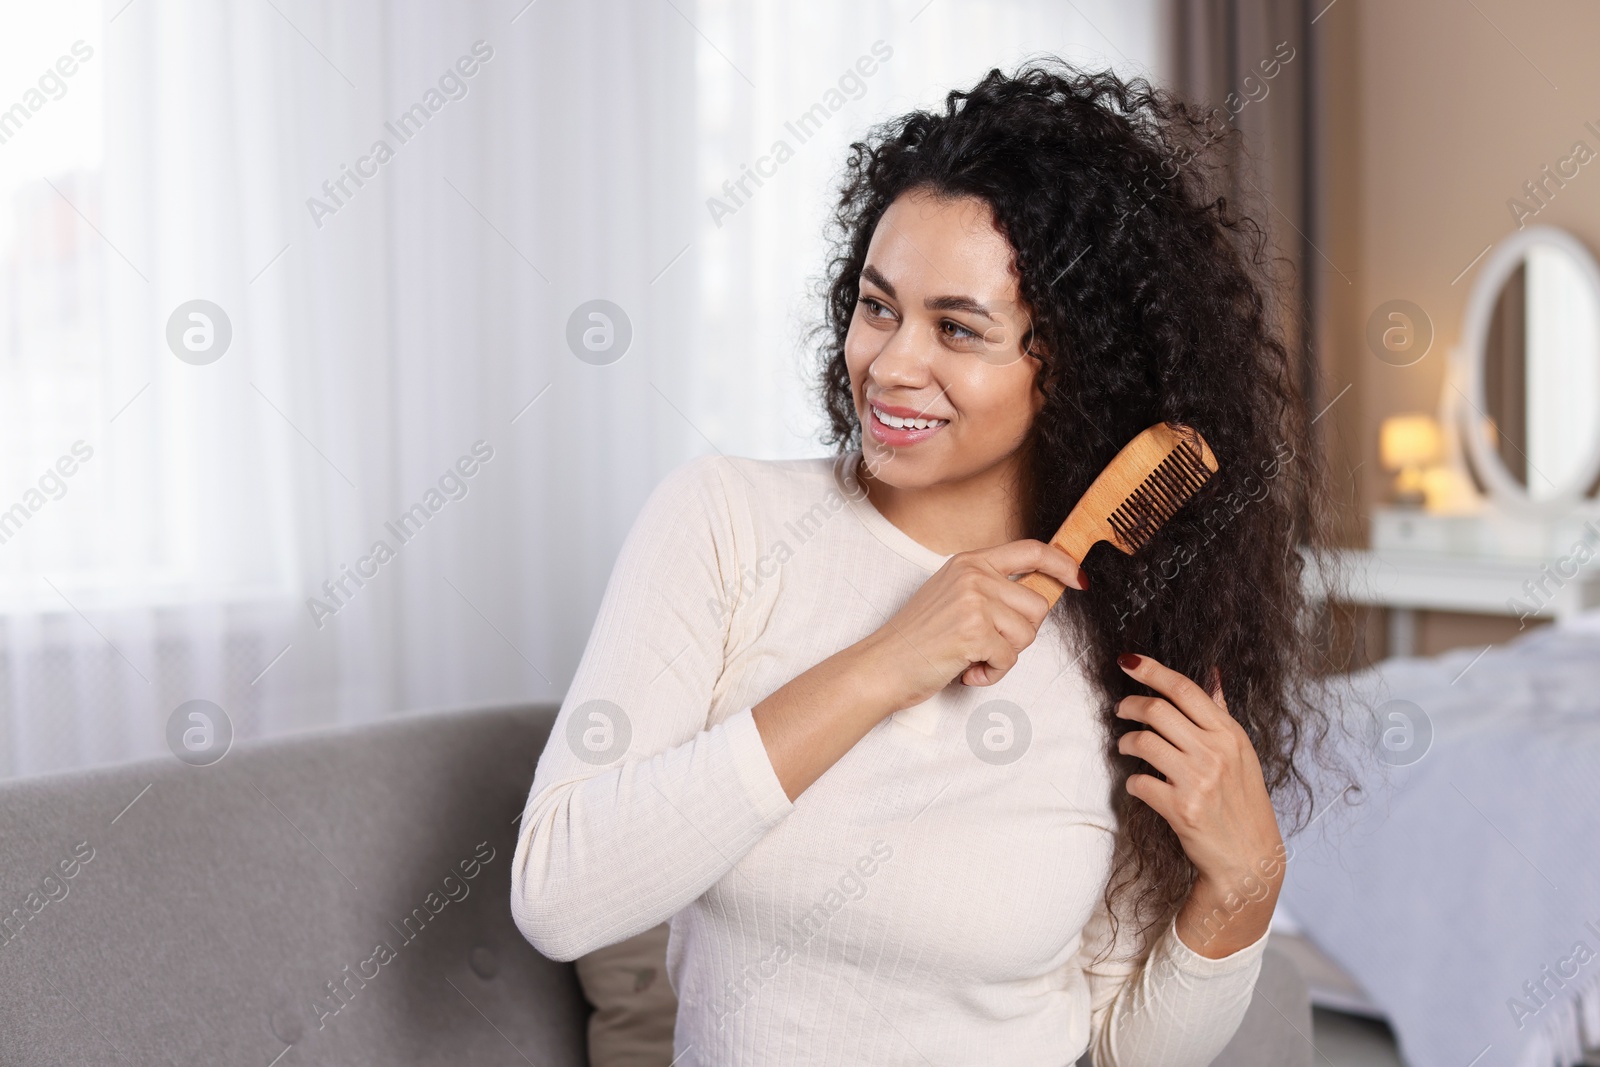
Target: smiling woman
1139 305
1079 806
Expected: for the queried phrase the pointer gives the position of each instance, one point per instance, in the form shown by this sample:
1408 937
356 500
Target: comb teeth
1165 490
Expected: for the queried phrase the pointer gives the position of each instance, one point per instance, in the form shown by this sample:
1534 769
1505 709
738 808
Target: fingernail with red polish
1083 579
1128 661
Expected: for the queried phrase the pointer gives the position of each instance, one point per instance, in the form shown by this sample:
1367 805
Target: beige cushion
634 1005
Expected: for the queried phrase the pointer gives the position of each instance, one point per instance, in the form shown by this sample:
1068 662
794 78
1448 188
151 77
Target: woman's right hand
970 619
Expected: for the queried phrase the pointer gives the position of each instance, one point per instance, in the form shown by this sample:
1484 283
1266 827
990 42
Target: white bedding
1463 892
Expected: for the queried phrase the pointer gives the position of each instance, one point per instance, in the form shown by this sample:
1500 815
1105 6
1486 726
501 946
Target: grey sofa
336 897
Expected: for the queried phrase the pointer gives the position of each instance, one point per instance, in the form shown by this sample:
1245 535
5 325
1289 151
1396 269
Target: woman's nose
905 357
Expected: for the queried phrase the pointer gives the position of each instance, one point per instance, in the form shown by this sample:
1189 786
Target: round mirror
1532 418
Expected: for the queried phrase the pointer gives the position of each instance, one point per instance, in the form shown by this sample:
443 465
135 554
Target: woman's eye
874 308
956 332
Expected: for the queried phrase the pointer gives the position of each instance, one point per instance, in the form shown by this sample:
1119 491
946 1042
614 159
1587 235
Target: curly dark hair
1150 298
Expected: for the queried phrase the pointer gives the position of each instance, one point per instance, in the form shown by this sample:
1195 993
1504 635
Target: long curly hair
1152 300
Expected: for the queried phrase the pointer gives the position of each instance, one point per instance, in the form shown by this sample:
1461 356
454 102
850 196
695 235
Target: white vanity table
1520 414
1417 564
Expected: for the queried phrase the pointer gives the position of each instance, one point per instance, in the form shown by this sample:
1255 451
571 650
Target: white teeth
907 424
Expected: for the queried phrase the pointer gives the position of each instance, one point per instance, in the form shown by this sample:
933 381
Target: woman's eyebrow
957 303
875 276
933 303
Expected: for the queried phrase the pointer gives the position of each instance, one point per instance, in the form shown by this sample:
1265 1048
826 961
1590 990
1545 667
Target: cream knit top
933 898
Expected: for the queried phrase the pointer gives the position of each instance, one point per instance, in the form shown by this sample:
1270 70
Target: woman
895 809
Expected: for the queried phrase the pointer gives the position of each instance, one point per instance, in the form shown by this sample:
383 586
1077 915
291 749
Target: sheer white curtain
389 333
373 346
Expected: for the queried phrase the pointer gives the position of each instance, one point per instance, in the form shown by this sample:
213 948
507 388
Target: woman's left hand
1214 798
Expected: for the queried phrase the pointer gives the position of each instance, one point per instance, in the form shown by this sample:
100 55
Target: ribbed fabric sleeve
1171 1008
610 849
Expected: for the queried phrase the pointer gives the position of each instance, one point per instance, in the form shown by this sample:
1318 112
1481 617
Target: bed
1458 899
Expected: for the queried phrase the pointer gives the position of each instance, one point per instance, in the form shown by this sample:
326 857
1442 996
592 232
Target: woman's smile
901 427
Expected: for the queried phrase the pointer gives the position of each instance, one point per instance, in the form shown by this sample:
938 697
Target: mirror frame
1502 262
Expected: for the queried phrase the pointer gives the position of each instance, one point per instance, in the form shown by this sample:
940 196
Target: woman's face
937 335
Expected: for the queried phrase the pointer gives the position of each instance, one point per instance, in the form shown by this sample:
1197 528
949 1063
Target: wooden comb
1149 480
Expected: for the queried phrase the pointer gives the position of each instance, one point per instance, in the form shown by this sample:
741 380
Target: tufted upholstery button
286 1026
483 962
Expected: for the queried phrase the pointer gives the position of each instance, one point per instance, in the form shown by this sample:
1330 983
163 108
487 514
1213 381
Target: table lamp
1407 444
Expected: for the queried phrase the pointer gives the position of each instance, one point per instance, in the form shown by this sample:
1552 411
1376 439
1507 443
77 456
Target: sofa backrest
332 897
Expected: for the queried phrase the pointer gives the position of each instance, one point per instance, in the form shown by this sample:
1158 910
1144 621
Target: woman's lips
888 435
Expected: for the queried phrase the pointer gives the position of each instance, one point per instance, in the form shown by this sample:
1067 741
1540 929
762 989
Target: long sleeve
1170 1008
638 807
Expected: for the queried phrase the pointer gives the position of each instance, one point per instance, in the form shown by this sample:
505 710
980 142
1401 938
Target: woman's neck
978 511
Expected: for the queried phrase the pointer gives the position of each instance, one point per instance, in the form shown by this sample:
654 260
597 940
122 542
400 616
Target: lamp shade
1408 441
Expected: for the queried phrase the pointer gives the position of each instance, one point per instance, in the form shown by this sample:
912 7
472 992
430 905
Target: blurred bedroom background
282 281
382 325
